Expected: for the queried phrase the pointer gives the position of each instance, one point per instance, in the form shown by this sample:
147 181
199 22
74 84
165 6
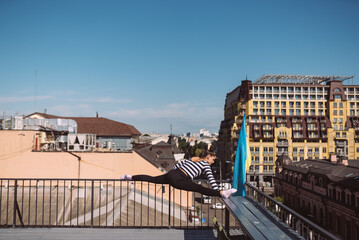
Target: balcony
282 144
79 208
103 203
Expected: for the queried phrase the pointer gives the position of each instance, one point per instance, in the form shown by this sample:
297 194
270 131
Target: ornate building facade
305 117
325 191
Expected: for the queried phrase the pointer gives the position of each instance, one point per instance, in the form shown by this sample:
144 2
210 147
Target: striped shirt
194 169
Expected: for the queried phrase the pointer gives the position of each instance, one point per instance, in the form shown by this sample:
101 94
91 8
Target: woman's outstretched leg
162 179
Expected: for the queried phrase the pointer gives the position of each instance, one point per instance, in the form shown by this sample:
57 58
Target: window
282 111
255 104
337 90
297 112
324 150
335 120
340 105
341 112
283 104
337 134
337 96
357 150
269 104
335 112
276 111
335 105
310 151
312 104
340 120
297 104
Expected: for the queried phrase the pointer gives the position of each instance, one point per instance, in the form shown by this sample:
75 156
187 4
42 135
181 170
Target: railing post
92 201
226 220
15 203
169 206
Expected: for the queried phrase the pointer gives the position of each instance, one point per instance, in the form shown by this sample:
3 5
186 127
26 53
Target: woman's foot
228 193
126 177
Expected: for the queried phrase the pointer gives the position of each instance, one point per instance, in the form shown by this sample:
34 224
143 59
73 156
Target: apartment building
304 117
325 191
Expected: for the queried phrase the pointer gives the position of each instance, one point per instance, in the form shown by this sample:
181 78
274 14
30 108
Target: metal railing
103 203
300 224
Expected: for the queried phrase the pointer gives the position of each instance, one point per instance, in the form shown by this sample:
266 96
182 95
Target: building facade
305 117
325 191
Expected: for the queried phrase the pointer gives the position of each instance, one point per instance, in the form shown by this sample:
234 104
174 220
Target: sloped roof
160 155
337 173
102 127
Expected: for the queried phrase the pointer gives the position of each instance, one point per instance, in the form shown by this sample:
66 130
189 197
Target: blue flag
241 161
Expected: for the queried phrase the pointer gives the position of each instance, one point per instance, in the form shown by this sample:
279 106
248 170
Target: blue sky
156 63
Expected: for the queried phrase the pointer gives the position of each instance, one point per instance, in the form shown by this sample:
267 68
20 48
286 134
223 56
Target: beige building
18 160
36 170
305 117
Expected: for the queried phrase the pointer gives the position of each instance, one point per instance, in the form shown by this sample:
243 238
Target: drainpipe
79 159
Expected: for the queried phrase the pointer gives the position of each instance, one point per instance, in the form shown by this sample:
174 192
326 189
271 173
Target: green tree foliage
191 151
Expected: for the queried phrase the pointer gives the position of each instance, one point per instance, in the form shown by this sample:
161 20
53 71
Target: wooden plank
257 220
271 221
248 226
268 223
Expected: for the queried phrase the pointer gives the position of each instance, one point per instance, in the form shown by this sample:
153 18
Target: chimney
96 114
345 162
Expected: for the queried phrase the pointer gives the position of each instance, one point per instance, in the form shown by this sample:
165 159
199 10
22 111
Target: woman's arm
207 170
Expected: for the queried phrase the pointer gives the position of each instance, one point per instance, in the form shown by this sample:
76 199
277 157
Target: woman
182 174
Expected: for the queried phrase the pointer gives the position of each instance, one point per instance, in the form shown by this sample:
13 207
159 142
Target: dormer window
337 90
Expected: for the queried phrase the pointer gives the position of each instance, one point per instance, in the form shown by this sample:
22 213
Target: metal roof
299 79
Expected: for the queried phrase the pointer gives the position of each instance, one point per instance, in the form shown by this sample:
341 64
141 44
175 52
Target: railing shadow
103 203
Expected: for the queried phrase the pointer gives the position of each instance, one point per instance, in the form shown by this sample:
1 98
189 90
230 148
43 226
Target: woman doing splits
182 174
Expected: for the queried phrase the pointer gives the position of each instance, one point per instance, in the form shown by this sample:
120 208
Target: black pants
177 179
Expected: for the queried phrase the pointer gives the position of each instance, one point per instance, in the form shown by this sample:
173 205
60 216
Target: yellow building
305 117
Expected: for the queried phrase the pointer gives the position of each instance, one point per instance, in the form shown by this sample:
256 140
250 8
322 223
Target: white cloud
184 117
22 99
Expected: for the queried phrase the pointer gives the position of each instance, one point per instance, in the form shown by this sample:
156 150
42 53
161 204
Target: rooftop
299 79
100 126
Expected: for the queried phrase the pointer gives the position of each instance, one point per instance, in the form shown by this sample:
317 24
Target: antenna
35 87
171 128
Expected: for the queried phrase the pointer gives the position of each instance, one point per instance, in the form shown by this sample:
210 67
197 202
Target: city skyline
153 64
